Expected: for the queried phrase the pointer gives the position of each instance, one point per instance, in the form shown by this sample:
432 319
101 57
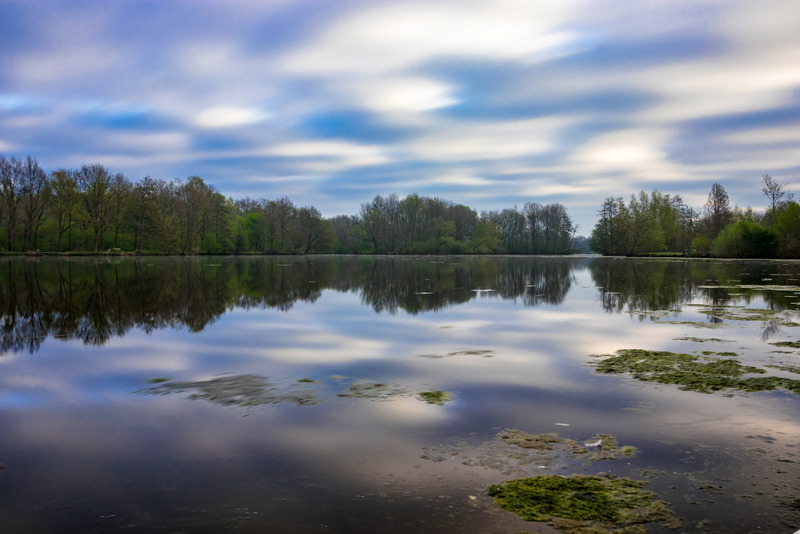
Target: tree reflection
647 286
95 300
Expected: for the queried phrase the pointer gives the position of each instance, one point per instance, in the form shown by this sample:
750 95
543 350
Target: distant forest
92 210
652 224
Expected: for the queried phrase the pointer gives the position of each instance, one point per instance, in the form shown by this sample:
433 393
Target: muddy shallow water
335 394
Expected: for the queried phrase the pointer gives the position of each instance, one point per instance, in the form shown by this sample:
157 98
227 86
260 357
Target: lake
344 394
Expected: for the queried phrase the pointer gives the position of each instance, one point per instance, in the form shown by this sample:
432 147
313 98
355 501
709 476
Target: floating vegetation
712 353
364 389
790 344
695 324
517 453
236 390
654 314
703 339
738 313
787 368
157 380
583 503
699 373
485 353
307 381
436 397
757 287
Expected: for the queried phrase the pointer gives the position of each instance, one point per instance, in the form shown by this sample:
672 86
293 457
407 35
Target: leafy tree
313 233
745 239
787 228
603 238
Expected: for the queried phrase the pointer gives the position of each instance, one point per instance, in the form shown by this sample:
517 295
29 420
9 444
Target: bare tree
777 195
718 209
11 180
64 206
94 182
35 194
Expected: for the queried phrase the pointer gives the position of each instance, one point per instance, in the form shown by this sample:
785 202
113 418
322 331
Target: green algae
589 503
158 380
695 324
598 447
516 453
787 368
237 390
379 391
700 373
702 339
790 344
485 353
712 353
738 313
436 397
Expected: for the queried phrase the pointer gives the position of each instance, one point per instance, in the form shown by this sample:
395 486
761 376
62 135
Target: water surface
337 394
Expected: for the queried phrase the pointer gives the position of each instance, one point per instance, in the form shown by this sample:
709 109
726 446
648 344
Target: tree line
91 209
656 223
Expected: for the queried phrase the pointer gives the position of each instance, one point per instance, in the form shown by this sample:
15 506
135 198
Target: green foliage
787 228
646 224
745 239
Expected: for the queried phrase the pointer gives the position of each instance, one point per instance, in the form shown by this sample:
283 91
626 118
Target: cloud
404 95
331 155
226 117
489 140
402 35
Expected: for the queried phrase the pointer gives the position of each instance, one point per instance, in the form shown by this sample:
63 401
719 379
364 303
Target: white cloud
404 94
490 140
464 179
225 117
759 70
766 136
340 154
401 35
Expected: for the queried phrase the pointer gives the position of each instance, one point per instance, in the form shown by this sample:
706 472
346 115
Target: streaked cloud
492 104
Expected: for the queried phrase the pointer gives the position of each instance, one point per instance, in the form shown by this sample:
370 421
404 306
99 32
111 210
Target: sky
491 103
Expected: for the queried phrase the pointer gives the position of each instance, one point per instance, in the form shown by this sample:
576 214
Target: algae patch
364 389
790 344
702 339
701 373
157 380
436 397
516 453
586 500
236 390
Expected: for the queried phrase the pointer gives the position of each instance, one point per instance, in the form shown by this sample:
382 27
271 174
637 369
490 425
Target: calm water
283 394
